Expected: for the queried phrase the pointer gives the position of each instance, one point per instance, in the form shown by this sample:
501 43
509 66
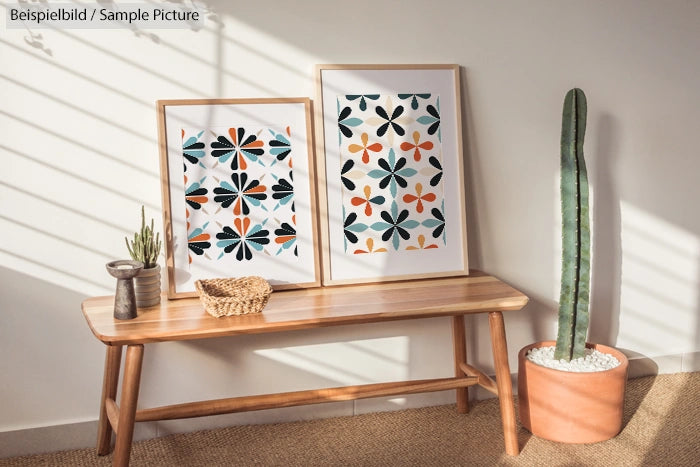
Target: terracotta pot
571 407
147 287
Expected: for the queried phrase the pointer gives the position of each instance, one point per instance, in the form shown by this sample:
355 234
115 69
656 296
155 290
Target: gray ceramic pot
124 298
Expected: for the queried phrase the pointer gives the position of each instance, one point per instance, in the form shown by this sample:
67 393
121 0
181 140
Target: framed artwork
238 183
389 158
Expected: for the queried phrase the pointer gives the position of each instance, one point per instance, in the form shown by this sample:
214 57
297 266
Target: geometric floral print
239 193
391 172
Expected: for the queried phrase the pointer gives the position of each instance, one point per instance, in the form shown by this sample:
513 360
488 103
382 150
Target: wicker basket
226 297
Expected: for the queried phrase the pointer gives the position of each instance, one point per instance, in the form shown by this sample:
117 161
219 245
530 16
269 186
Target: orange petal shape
198 199
256 189
200 238
242 225
284 239
255 144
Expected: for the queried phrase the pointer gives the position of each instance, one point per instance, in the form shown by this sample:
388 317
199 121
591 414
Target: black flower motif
350 227
243 240
395 225
345 121
433 119
435 180
198 241
192 149
283 191
238 145
392 172
280 147
437 222
349 164
196 195
286 236
241 193
390 120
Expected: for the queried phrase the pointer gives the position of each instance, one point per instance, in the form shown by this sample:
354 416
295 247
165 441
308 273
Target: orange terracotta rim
599 347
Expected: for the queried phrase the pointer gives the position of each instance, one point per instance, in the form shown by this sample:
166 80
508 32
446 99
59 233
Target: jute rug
661 428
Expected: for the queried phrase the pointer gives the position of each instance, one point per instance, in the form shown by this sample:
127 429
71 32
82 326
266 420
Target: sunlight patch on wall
273 66
81 155
350 363
660 284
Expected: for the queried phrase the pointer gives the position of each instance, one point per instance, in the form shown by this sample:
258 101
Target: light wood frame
335 80
174 116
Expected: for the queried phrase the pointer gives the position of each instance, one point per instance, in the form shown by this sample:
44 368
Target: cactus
145 247
576 235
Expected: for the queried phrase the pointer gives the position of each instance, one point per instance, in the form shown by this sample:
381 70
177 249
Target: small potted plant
573 391
145 247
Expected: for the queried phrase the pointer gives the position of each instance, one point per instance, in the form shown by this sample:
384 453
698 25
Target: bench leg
127 405
109 391
505 390
460 351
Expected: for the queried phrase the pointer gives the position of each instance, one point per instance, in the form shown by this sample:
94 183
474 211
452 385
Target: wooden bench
186 319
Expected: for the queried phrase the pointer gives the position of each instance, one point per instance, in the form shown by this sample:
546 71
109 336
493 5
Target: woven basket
227 297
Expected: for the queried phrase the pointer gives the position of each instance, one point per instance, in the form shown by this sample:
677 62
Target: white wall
79 157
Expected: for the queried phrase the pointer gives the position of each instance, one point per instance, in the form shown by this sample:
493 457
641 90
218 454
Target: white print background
391 141
212 216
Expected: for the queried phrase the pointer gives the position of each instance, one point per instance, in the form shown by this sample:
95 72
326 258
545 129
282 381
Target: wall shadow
469 157
52 363
606 277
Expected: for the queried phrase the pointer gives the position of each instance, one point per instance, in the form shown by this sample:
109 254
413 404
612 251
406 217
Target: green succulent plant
145 246
576 233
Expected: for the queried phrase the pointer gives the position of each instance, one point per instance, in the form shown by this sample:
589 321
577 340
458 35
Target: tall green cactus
576 234
145 246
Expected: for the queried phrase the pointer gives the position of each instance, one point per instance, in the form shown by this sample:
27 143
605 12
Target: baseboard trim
59 438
